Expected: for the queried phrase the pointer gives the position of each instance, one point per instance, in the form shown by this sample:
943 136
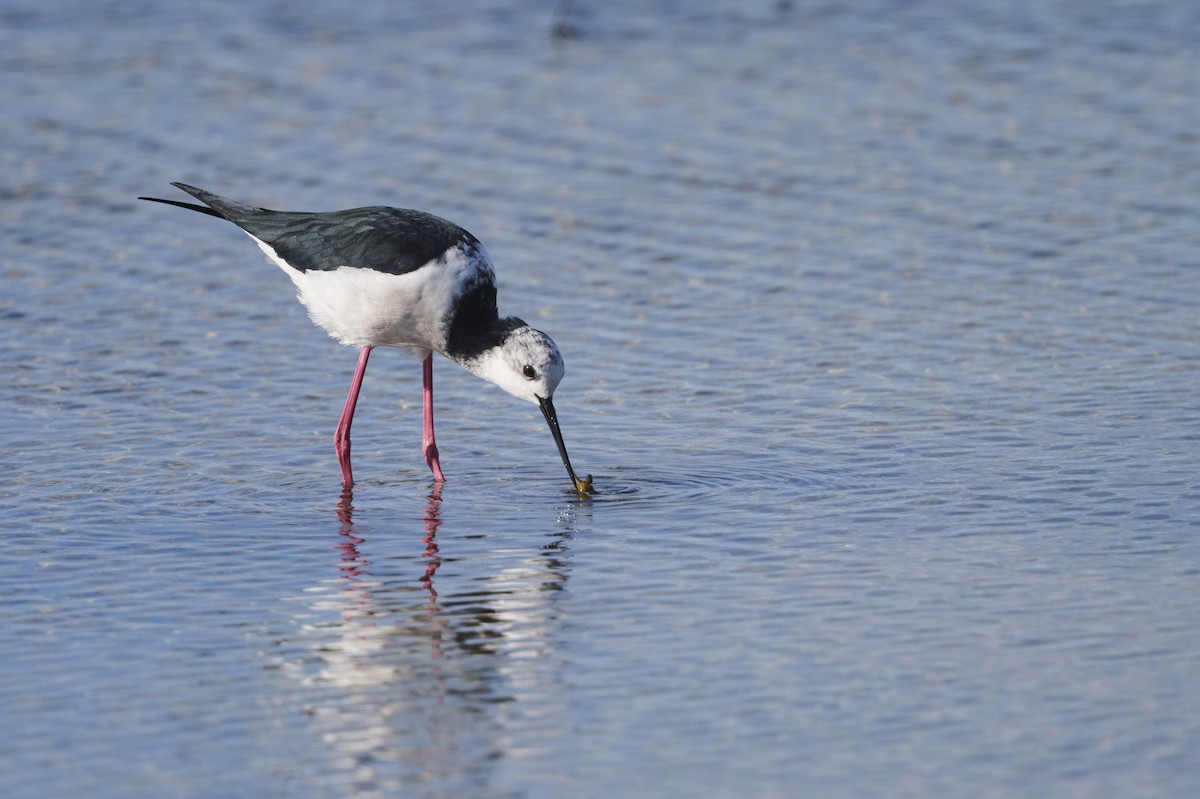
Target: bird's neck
470 328
491 360
473 335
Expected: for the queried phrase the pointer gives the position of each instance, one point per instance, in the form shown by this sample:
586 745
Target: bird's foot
431 457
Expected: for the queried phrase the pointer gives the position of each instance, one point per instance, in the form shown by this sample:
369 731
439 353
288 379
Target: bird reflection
406 675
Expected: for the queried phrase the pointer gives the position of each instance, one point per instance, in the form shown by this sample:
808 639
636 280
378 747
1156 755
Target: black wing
392 240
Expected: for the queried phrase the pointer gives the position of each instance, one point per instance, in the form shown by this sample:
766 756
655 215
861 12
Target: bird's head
526 363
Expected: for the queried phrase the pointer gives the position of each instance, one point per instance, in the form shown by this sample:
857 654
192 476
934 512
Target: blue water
881 330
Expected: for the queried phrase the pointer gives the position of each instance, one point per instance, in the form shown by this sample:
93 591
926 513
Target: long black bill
547 405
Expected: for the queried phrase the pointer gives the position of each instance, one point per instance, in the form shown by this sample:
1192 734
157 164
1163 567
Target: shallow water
881 337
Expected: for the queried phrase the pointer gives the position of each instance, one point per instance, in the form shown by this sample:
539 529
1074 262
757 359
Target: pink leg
428 445
341 439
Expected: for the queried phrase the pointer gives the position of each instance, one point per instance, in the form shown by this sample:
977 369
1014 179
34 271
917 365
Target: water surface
881 337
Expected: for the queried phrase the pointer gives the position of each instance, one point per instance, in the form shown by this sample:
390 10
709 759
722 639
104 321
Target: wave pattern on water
881 342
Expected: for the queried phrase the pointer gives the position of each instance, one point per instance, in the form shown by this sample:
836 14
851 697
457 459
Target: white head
526 364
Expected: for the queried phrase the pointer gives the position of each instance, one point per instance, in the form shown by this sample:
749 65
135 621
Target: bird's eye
529 372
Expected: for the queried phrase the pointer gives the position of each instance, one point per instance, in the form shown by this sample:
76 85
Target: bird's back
390 240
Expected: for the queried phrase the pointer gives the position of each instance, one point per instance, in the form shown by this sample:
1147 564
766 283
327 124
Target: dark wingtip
190 206
214 204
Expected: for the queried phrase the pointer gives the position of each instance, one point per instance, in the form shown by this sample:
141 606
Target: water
881 337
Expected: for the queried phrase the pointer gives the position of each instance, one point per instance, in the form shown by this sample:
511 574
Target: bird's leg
341 439
428 445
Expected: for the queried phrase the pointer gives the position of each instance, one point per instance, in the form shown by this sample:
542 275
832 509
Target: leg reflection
433 519
352 567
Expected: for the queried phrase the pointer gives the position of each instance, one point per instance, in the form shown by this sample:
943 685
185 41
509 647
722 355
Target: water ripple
698 484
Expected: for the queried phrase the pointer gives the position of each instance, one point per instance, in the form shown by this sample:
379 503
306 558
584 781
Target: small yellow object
584 485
